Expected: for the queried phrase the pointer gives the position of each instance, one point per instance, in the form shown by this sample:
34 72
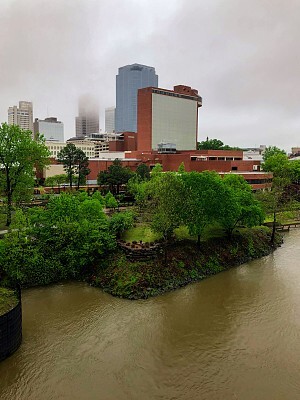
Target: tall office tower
52 129
110 115
87 121
22 115
128 81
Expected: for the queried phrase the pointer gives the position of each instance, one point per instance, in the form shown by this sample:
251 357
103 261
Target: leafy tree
19 155
140 191
238 205
68 157
181 168
115 176
156 170
120 222
210 144
143 172
82 167
202 200
50 181
62 241
284 172
272 151
110 201
99 197
75 162
214 144
167 194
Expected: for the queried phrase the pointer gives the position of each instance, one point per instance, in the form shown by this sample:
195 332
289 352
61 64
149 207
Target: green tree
167 194
276 161
214 144
82 167
19 155
238 205
143 172
272 151
202 200
120 222
156 170
68 157
181 168
62 241
115 176
50 181
110 201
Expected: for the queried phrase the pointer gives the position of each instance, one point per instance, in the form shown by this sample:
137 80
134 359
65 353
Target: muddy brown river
233 336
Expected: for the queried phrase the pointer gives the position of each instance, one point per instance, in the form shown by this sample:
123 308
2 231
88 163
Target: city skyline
243 59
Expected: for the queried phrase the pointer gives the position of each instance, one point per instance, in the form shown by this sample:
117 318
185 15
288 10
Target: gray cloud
242 56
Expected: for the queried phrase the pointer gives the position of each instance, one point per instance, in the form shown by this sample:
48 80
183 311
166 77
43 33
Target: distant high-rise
128 81
87 121
110 115
22 115
50 128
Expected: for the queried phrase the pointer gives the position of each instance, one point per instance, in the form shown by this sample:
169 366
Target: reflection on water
232 336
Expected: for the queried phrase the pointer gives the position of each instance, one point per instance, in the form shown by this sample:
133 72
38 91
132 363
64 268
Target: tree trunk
198 241
9 208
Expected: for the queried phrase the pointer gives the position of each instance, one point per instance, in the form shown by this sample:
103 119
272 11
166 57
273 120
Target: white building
110 113
50 128
22 115
87 147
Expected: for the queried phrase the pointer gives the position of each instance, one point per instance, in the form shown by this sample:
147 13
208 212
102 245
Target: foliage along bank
181 264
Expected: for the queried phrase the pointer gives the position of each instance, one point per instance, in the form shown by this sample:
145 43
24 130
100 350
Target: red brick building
167 125
169 116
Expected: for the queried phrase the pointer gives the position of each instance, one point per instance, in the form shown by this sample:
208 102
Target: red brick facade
144 119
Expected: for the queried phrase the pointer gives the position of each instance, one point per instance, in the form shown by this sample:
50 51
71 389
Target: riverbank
181 263
8 300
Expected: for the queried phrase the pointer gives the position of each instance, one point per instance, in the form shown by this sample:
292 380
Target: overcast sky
242 56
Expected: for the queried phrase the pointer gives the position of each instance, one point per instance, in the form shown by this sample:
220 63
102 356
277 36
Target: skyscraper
22 116
110 115
87 121
128 81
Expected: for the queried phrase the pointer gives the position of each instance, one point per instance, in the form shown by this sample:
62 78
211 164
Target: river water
233 336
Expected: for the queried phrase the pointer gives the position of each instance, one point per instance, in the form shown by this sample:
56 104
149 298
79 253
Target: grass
284 216
142 231
8 300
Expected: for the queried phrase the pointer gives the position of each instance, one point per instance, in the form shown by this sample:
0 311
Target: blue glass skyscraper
128 81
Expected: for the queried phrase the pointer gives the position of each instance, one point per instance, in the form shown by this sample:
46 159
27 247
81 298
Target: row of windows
197 158
87 153
259 181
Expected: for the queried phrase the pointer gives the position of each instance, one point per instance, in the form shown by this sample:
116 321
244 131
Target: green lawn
8 300
142 231
284 217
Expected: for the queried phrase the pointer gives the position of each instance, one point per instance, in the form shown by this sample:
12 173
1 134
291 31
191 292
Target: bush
120 222
60 242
